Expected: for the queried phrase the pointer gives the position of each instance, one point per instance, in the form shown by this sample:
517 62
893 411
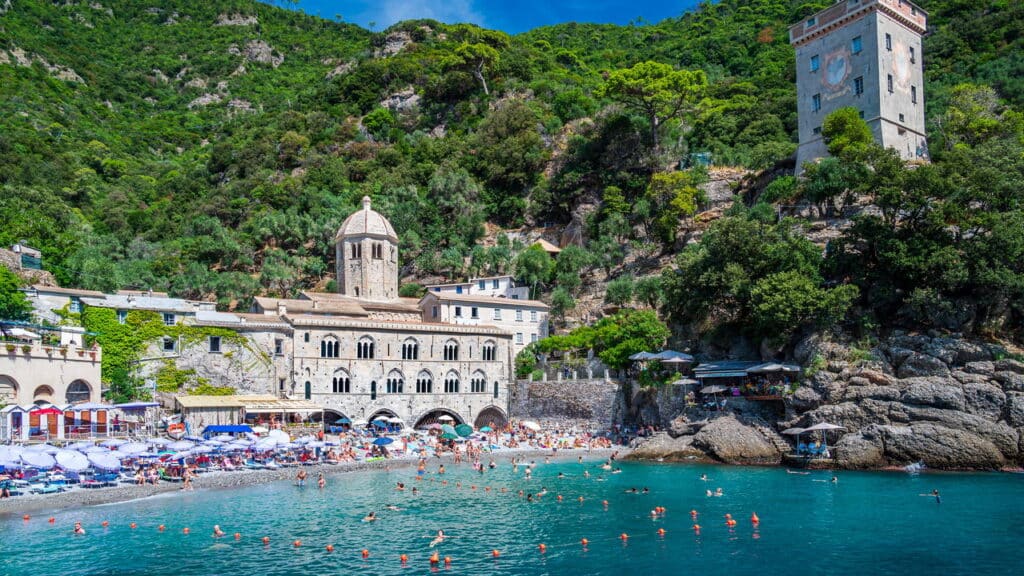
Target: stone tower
864 54
366 252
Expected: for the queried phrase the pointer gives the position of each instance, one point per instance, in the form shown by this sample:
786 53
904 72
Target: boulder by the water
662 446
730 441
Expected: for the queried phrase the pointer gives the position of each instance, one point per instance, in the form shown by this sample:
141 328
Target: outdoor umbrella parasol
133 448
36 459
486 429
448 429
446 418
531 425
113 442
464 430
180 445
383 441
105 461
72 460
449 436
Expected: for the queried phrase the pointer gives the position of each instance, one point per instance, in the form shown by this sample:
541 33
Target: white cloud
387 12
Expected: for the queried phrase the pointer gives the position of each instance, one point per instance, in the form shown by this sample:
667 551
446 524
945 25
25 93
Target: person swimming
492 464
835 479
399 486
529 497
630 491
617 471
542 492
217 532
440 469
710 493
561 475
78 530
645 490
704 477
321 481
934 494
438 539
393 508
718 492
371 517
586 474
415 492
788 471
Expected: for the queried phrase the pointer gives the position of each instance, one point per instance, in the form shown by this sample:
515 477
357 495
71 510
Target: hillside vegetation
211 149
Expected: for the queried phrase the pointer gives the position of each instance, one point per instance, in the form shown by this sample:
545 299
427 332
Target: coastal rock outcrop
730 441
662 446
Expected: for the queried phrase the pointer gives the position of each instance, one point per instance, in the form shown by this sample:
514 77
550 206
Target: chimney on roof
281 308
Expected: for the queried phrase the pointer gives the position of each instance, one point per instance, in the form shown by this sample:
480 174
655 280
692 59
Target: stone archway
434 416
78 391
491 416
8 390
42 395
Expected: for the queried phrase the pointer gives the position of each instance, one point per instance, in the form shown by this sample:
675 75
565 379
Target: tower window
816 102
341 384
901 118
410 350
913 55
860 113
913 94
856 45
488 351
365 348
888 42
811 21
858 85
451 351
329 348
888 82
815 63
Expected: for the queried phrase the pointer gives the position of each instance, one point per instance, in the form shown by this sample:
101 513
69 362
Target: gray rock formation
730 441
662 446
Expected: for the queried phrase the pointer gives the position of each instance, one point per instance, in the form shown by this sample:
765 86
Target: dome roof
367 222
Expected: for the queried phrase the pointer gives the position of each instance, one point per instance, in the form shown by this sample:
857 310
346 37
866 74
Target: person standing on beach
188 480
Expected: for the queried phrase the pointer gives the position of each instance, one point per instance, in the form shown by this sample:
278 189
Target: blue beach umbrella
486 429
383 441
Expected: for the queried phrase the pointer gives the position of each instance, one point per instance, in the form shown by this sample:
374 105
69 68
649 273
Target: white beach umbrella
44 448
96 450
223 437
279 435
134 448
180 445
531 425
266 444
72 460
113 442
158 441
107 461
80 446
37 459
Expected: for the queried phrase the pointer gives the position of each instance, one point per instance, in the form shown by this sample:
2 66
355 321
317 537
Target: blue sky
512 16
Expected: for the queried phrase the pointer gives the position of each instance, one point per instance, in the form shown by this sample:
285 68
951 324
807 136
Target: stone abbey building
864 54
361 354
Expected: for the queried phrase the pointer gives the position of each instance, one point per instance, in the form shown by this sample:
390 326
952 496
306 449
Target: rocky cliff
941 400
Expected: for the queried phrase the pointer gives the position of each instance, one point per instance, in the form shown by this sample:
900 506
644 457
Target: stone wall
596 400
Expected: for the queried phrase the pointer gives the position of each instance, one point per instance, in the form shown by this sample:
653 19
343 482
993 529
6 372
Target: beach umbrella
96 450
202 449
383 441
180 445
445 418
133 448
793 431
72 460
434 426
38 459
448 429
223 437
214 443
316 444
280 435
44 448
464 430
266 444
486 429
158 441
531 425
80 446
9 452
380 423
449 436
641 356
113 442
259 429
10 464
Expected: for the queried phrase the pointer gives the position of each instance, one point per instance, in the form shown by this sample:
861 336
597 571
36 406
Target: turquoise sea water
868 523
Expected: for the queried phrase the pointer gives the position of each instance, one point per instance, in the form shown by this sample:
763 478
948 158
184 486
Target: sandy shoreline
77 498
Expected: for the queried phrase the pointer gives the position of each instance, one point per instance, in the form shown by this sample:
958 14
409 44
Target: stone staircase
770 434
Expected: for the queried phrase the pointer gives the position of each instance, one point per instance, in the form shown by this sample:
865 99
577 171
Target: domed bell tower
366 256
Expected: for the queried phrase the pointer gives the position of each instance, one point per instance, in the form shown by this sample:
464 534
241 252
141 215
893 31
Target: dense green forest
211 149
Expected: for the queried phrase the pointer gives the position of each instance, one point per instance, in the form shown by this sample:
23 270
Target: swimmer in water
217 532
438 539
586 474
301 478
399 486
704 477
617 471
393 508
440 470
78 531
630 491
492 464
371 517
934 494
579 459
561 475
415 492
542 492
645 490
718 492
709 493
321 481
529 497
788 471
835 480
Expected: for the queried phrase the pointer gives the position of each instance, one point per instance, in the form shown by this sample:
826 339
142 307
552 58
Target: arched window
410 349
489 350
364 348
330 347
373 390
309 390
495 388
78 391
451 383
395 383
451 350
377 251
478 383
424 383
341 383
